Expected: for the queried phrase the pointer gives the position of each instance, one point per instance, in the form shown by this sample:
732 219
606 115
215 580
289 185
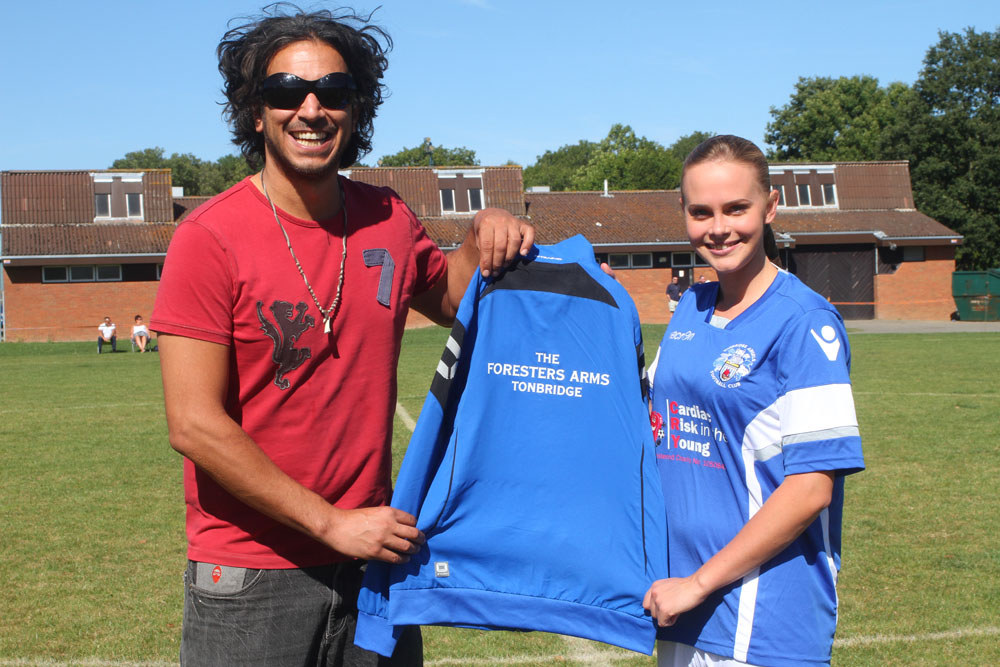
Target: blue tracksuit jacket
532 469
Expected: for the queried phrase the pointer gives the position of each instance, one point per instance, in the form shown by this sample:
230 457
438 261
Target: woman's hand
667 599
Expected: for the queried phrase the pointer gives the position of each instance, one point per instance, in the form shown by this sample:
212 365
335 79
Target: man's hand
382 533
500 238
667 599
494 240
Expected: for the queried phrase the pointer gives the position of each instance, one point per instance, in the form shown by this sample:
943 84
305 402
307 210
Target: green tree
443 157
196 176
840 119
223 173
147 158
687 143
557 168
629 162
950 133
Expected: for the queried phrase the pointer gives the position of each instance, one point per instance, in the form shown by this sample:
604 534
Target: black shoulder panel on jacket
568 279
448 366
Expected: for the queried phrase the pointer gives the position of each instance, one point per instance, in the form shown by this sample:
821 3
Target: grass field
92 543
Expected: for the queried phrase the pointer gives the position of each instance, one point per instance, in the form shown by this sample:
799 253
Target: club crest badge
735 362
656 423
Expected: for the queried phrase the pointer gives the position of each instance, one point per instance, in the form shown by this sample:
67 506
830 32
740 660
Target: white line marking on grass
579 650
594 653
600 659
588 653
848 642
405 417
95 406
90 662
924 393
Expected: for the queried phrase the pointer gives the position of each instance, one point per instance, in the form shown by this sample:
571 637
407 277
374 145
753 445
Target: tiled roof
650 217
874 185
627 218
67 197
184 205
419 187
447 232
860 186
895 224
86 239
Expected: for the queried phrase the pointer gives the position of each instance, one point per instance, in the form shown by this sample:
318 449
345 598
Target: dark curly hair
246 50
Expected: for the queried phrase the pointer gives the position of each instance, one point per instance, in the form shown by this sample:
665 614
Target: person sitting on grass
107 329
140 334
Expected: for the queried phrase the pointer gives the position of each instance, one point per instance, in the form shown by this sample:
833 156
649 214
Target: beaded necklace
329 313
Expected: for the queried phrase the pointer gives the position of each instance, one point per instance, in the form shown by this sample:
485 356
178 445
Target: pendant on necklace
326 325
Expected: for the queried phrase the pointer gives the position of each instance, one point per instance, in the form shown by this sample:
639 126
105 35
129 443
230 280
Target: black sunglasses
287 91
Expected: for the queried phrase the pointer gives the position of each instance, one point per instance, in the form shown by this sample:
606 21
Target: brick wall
648 288
918 290
37 312
40 312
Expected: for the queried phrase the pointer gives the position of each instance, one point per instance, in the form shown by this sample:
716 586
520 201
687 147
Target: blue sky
85 83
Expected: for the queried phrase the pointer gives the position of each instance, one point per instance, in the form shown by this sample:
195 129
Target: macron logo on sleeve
828 342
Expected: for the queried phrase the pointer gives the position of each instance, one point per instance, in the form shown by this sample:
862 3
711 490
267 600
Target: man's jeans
297 617
101 342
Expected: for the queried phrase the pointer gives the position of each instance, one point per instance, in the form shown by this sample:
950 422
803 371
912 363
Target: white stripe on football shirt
763 435
748 588
824 518
816 409
444 370
825 434
453 345
651 371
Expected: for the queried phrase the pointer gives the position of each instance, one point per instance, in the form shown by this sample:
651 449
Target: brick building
78 245
848 230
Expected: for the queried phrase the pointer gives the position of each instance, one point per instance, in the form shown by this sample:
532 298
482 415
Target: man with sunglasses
280 315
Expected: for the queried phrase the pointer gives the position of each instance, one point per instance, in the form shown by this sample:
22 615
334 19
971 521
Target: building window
913 253
102 205
682 259
475 199
109 272
159 271
54 274
780 189
618 260
829 195
81 274
133 204
699 260
447 200
802 190
642 260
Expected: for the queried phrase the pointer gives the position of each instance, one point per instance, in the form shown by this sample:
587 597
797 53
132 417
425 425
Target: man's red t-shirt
319 405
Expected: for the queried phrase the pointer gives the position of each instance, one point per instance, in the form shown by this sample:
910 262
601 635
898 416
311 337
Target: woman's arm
792 507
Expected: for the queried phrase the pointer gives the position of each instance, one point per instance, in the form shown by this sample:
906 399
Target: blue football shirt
765 396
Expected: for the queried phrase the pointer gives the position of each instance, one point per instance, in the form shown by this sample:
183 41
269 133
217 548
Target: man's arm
493 241
195 375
